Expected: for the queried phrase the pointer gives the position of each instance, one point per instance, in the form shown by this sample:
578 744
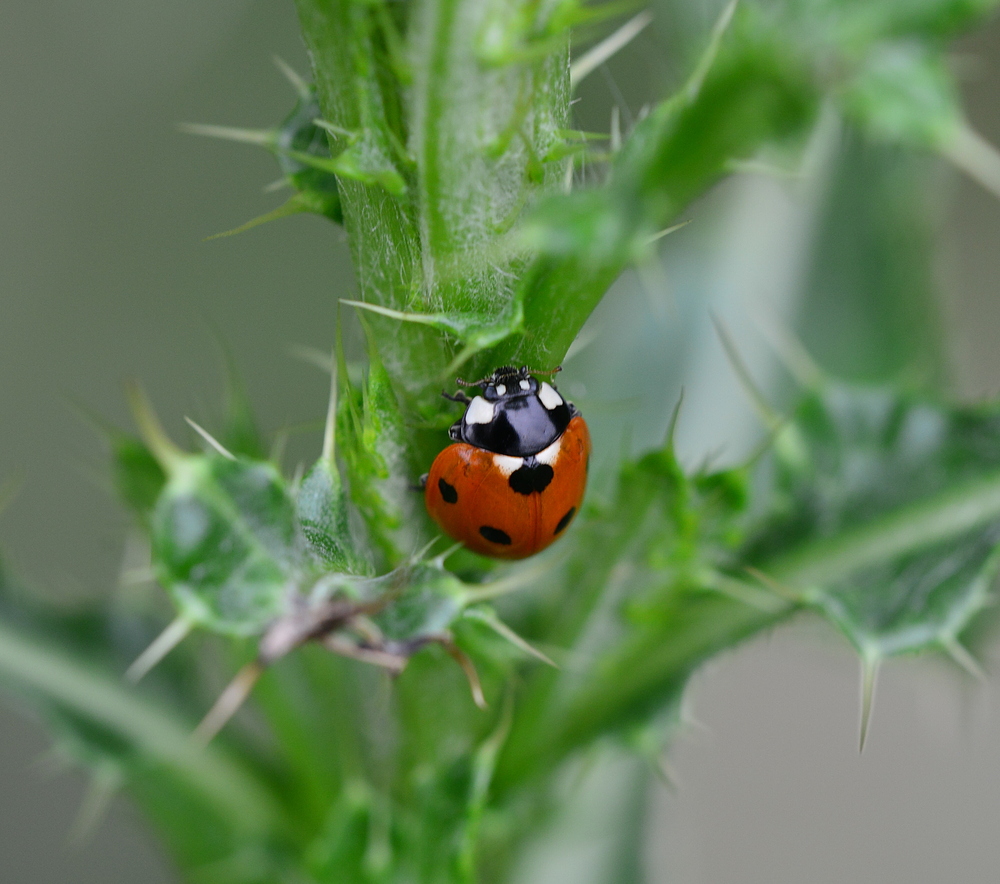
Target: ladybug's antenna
478 383
555 370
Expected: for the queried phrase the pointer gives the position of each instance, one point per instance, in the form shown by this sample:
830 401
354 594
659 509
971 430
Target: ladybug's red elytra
515 477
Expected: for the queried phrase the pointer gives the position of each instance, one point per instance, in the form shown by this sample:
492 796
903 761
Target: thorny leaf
225 543
851 467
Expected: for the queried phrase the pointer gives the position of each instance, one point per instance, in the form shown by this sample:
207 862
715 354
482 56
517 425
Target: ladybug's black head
516 415
508 382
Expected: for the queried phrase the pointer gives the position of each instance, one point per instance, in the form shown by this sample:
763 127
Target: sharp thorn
975 156
210 439
792 354
300 86
673 228
259 137
784 592
418 318
228 703
151 430
960 655
693 86
330 428
469 668
292 206
311 356
674 417
162 645
666 773
772 420
104 783
504 631
342 647
511 582
276 185
277 451
612 44
869 672
334 129
748 593
442 557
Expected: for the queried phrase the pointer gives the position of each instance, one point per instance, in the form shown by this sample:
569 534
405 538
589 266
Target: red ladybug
516 475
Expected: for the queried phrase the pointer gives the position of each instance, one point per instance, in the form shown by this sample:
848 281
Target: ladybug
515 477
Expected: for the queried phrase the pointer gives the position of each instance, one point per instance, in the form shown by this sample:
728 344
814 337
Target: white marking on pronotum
525 385
550 398
479 412
501 390
507 464
551 454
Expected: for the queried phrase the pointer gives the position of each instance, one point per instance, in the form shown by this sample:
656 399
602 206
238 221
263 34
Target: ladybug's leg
458 397
421 483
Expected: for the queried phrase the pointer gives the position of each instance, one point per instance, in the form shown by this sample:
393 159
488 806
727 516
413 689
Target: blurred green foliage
485 230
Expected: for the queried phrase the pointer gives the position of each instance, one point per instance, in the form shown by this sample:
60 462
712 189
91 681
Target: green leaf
877 510
299 134
885 515
367 160
475 331
225 543
302 150
344 842
430 603
751 87
444 155
240 434
870 308
138 477
904 93
145 735
933 19
209 805
644 614
322 511
375 441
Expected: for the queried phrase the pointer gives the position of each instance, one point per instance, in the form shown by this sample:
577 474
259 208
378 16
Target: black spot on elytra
495 535
564 521
448 492
531 477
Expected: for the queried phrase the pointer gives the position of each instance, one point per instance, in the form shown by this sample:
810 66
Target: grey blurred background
104 277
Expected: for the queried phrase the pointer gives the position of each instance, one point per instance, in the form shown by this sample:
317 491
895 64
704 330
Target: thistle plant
402 710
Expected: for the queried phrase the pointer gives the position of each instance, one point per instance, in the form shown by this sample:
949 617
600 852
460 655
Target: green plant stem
943 516
744 93
625 687
645 672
